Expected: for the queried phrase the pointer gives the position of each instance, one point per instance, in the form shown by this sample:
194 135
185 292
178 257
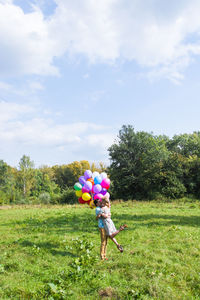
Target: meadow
52 252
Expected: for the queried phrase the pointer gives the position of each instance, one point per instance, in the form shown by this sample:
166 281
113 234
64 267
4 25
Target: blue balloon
97 180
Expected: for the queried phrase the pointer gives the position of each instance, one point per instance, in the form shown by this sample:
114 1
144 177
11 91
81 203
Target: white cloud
19 124
102 140
5 86
11 111
156 34
86 76
151 33
24 41
35 86
96 96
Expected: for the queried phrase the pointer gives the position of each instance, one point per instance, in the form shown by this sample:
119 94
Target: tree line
142 166
146 166
27 184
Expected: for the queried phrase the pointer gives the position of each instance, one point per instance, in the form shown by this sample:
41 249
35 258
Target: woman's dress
108 223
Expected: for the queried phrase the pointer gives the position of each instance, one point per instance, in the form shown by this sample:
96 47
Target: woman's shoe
120 248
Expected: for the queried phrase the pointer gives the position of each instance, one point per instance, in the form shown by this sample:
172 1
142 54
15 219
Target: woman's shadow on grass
158 219
58 224
73 223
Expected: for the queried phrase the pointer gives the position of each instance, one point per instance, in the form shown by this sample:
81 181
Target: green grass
39 258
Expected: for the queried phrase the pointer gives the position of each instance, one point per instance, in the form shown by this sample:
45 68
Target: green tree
135 162
185 144
26 174
64 176
43 183
7 183
4 175
170 176
192 175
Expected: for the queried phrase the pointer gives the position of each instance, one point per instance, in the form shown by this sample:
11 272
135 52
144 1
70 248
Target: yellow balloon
86 196
92 204
79 193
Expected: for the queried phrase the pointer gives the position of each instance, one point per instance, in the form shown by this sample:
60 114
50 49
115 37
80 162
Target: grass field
52 253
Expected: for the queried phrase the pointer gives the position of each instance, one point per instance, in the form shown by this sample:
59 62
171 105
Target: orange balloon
91 180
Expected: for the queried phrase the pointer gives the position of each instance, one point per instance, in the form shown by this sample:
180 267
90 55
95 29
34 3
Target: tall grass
52 252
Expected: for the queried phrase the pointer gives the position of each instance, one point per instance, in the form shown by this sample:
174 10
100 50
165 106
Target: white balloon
107 195
103 175
95 174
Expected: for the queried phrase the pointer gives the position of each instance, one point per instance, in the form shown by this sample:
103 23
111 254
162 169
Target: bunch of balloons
92 186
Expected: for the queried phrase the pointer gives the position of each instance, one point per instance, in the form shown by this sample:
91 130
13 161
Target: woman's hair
105 200
95 202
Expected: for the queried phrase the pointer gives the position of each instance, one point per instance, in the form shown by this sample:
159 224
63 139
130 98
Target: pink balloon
105 183
93 190
98 196
84 190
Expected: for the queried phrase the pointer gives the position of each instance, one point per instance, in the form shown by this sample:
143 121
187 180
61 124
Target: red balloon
81 201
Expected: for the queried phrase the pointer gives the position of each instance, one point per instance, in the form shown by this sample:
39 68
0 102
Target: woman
109 226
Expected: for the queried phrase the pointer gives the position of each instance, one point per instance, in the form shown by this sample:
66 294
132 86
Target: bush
56 199
173 189
68 196
22 200
3 198
44 198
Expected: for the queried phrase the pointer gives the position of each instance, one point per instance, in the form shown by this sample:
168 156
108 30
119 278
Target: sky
73 72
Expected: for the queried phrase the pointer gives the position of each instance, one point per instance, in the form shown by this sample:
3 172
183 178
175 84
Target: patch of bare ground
108 292
5 207
19 206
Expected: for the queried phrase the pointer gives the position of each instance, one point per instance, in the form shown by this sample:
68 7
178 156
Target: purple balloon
97 188
103 191
88 185
87 174
82 180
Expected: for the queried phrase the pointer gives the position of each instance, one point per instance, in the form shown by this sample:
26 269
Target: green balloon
78 186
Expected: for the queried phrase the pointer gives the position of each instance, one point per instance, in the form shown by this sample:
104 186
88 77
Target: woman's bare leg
116 232
114 240
120 248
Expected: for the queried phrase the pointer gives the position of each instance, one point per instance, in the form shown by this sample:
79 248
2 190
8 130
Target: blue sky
73 72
